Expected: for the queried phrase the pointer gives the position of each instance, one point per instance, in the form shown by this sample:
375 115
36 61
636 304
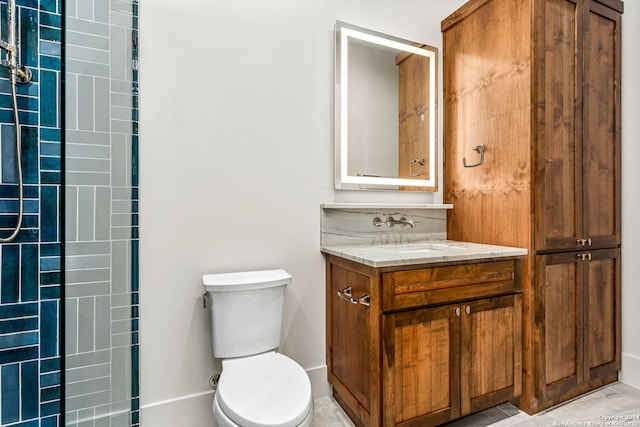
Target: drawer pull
346 295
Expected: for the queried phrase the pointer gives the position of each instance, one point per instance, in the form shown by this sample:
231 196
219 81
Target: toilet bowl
258 387
268 389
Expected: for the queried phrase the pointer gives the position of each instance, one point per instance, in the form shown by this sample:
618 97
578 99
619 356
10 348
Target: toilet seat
268 389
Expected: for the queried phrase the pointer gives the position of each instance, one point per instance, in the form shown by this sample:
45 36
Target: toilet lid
264 390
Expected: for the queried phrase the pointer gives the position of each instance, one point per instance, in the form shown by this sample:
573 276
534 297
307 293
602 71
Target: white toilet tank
246 311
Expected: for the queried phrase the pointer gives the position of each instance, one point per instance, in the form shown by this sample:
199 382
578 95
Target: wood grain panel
351 336
422 366
485 68
601 313
422 373
560 322
602 126
492 345
559 127
420 287
602 307
491 359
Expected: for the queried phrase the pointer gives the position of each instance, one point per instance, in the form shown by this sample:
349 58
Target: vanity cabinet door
421 366
444 362
491 352
352 341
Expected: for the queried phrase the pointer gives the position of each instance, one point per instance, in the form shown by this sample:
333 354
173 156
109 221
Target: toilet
258 387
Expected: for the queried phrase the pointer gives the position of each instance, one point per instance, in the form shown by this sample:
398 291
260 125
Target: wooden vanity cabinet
537 83
435 343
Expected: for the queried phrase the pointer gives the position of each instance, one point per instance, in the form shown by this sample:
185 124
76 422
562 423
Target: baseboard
630 373
195 410
192 410
319 383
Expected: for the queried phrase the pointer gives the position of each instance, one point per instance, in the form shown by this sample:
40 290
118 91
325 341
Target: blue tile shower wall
30 266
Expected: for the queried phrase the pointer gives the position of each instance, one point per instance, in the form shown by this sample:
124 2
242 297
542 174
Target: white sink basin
413 248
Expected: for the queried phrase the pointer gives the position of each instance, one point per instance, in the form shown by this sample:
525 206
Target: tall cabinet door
578 294
558 123
602 315
559 290
601 136
577 122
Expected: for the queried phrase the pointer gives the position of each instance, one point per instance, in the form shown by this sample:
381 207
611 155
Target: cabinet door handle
468 309
584 242
365 300
346 295
457 311
584 257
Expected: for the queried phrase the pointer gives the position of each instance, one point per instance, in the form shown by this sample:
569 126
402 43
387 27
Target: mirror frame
344 181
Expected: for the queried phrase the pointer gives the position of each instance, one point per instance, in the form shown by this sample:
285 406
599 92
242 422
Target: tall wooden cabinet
537 84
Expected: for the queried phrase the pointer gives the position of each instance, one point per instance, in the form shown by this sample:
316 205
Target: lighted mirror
385 111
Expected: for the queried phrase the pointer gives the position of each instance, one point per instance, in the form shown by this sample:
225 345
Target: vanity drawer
429 286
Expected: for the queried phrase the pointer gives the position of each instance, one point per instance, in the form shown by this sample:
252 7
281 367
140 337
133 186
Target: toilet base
223 421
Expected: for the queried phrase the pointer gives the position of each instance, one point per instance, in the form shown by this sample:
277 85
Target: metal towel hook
420 163
480 149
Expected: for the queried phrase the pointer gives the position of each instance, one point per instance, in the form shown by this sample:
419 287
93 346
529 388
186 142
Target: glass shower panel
101 233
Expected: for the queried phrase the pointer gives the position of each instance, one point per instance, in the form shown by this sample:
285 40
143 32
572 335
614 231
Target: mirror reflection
385 111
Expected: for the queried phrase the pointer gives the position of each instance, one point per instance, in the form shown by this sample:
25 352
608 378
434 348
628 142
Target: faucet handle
404 221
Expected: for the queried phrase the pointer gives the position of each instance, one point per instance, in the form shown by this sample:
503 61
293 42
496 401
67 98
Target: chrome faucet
391 221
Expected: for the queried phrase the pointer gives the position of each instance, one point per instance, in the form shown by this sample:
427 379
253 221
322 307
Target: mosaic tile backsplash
96 326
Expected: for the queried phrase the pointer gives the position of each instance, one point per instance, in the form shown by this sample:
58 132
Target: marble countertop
425 252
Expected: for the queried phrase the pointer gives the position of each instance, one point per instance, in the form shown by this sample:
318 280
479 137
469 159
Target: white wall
630 194
236 155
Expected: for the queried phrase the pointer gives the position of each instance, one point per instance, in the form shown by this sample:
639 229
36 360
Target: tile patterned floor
612 406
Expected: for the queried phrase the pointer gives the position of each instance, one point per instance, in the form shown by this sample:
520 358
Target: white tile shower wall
99 212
